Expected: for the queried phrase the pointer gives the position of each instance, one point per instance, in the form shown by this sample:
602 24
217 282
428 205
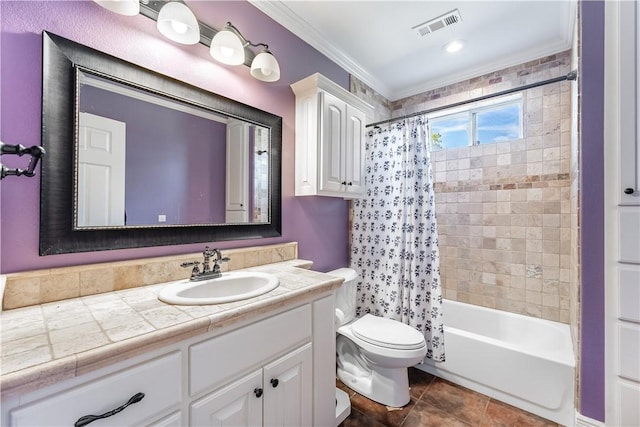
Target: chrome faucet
207 271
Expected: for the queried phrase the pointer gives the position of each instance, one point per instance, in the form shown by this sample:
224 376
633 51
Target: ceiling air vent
438 23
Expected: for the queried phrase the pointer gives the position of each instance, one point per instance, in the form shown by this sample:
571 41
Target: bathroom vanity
269 360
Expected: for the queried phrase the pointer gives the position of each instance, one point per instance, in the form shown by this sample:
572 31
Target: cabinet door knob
629 190
257 392
350 183
344 183
274 382
83 421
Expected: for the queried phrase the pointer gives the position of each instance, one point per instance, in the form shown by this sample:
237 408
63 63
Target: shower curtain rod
573 75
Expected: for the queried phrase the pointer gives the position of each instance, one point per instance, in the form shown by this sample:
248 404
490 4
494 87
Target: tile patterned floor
439 403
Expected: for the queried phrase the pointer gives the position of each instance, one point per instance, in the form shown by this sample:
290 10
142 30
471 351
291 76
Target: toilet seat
387 333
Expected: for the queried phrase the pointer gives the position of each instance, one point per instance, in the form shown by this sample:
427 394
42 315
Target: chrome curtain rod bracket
573 75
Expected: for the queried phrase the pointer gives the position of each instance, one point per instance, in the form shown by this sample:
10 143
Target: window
479 123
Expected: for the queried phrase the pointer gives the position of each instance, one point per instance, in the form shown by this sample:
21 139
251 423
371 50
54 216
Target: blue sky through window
492 124
454 131
500 124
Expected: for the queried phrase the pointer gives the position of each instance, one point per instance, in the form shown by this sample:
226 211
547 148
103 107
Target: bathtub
520 360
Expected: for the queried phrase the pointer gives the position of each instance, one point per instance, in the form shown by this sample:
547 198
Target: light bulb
226 51
179 27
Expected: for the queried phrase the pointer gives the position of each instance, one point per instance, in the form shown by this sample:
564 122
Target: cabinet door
332 143
288 389
629 110
354 152
234 405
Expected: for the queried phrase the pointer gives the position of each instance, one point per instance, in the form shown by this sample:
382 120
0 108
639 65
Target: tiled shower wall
504 209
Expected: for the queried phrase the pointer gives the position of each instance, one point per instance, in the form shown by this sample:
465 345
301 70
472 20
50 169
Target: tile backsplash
42 286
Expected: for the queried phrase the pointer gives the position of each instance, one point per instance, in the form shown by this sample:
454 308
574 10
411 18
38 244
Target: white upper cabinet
330 139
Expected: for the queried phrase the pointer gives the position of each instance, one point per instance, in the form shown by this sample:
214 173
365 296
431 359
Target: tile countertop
47 343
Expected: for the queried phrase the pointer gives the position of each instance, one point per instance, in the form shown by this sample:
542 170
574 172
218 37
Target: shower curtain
394 243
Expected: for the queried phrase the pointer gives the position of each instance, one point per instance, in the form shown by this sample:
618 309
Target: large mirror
135 158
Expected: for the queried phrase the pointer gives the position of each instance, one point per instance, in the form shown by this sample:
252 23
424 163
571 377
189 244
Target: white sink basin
230 287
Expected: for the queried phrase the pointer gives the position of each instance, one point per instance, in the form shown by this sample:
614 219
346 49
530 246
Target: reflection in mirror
146 160
163 197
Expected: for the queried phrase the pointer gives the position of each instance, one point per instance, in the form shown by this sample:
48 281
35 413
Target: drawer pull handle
257 392
629 191
274 382
83 421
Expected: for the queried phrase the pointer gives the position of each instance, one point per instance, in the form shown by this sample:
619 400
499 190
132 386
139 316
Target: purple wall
171 149
591 78
319 224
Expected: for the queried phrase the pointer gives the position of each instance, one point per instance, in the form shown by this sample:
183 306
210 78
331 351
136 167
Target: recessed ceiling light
454 46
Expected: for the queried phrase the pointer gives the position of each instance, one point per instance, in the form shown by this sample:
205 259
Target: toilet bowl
373 353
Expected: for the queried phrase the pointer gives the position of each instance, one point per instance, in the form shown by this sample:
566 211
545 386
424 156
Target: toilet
373 353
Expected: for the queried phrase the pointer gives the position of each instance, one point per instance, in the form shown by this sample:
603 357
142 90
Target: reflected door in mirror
237 190
101 171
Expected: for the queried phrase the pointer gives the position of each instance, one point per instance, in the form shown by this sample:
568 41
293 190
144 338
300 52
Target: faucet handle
189 264
218 261
195 271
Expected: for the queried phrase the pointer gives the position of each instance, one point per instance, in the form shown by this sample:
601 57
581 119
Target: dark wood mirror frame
57 234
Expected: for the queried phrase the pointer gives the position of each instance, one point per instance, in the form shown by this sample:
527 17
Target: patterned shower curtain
394 243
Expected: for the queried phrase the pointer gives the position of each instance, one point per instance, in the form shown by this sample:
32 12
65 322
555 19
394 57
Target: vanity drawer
212 362
159 379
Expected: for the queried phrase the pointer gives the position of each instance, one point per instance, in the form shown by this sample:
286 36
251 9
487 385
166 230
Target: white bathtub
520 360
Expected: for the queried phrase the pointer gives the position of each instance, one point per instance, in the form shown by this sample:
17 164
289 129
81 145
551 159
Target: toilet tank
346 294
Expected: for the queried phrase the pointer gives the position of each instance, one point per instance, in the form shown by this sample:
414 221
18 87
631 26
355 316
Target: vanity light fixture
265 67
454 46
227 46
178 23
122 7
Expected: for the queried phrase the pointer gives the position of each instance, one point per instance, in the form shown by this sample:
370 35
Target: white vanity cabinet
330 139
279 392
276 368
277 395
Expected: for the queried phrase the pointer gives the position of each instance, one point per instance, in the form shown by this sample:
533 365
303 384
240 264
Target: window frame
472 110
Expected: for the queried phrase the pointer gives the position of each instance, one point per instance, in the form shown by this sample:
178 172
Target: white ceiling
374 40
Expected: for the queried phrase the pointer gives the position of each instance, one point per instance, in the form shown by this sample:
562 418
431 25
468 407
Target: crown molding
470 73
280 13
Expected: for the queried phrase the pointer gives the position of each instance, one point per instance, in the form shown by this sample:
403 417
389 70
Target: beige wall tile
37 287
54 287
514 224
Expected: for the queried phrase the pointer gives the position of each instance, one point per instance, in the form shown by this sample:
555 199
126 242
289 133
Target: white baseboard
583 421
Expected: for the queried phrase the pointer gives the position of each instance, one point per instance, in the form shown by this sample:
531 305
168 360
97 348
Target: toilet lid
387 333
